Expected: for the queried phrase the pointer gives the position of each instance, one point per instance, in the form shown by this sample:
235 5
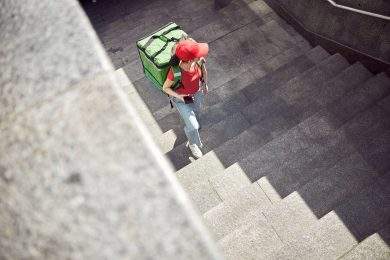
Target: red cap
188 50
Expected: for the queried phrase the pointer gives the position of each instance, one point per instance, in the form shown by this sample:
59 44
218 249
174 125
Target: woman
188 97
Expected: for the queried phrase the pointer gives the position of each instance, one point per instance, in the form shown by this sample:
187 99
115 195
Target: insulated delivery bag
155 52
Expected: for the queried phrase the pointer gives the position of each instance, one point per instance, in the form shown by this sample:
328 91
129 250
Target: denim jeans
190 115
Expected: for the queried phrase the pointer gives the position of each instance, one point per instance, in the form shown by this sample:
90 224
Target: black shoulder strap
201 63
161 36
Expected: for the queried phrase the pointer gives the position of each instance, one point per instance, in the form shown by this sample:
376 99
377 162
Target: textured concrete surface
329 238
374 246
80 177
231 181
291 217
309 128
54 169
234 212
25 36
256 240
363 33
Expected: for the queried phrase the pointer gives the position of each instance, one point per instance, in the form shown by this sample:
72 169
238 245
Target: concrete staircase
297 141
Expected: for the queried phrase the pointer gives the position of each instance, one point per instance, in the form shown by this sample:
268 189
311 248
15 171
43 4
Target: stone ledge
79 174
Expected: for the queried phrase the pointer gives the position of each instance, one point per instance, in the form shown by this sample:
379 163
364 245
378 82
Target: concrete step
282 151
253 138
373 247
250 136
240 146
375 89
345 178
285 60
200 170
207 117
221 109
293 97
229 18
369 210
253 241
329 238
304 214
229 182
377 151
230 90
266 165
285 73
332 146
321 129
336 233
217 112
213 137
202 195
276 124
235 211
304 235
385 104
293 216
237 52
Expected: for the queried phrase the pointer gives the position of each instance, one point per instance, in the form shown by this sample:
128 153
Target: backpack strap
176 80
176 76
201 63
161 37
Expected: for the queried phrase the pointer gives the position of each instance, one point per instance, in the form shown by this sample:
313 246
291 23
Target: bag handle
162 37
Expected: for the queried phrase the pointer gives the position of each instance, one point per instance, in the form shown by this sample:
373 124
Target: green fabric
157 44
155 59
176 77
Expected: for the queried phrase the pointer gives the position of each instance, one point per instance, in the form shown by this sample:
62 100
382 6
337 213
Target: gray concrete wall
79 175
366 34
376 6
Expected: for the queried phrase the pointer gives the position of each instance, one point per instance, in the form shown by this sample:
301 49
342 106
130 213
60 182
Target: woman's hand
181 97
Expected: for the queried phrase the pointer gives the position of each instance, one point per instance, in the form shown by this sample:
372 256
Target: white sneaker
195 151
188 143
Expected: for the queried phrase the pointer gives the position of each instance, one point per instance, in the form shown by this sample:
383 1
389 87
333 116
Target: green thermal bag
155 52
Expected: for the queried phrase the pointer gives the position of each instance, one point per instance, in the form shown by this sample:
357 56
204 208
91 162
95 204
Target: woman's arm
167 88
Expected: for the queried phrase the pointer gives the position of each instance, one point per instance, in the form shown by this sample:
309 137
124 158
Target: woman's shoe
196 151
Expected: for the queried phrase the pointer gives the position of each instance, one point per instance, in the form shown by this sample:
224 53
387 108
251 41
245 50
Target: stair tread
369 210
360 216
329 238
232 213
220 108
229 182
237 148
374 89
329 120
385 103
203 196
320 196
253 138
335 233
254 241
216 135
345 178
284 73
321 129
200 170
287 179
293 98
373 247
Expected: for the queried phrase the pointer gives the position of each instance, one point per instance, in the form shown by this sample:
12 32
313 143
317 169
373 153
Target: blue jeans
189 114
